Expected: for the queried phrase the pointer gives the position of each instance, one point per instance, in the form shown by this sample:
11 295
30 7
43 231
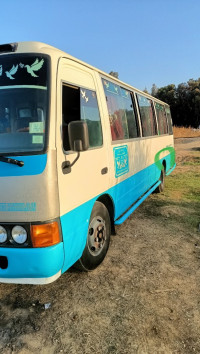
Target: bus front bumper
31 265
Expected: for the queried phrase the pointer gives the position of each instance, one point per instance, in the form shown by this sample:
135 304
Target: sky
146 41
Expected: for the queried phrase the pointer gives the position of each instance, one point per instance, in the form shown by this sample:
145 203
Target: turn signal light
45 235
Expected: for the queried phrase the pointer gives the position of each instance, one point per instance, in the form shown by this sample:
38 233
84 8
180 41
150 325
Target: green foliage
184 101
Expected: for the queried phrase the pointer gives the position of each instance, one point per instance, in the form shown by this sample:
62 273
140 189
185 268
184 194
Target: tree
154 90
184 101
168 95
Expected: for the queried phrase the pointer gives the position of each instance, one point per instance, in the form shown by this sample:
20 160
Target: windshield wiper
13 161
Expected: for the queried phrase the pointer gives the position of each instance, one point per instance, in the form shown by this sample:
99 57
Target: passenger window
147 116
117 113
162 119
169 119
81 104
130 114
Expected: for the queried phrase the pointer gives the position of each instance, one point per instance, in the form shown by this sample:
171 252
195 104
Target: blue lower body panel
40 263
126 193
32 262
74 229
75 223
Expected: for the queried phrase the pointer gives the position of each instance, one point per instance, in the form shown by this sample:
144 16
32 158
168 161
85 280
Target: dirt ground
144 298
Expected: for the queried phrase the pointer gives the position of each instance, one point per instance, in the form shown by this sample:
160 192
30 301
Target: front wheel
98 238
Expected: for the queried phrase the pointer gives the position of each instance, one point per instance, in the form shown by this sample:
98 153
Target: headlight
3 234
19 234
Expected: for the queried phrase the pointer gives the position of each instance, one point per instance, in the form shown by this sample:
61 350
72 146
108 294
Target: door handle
104 170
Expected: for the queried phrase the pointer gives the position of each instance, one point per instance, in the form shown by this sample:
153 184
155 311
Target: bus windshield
23 103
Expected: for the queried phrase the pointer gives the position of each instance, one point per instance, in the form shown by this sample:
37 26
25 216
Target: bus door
78 99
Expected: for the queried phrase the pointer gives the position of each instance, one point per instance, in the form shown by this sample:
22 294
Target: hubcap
96 236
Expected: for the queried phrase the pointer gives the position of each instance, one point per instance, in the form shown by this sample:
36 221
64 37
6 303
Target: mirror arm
73 162
66 165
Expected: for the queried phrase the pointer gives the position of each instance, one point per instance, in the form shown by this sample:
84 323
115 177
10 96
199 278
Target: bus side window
90 114
169 120
147 116
81 104
162 119
116 111
70 111
130 112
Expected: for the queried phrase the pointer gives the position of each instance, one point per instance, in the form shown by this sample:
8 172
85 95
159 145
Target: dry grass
143 299
182 132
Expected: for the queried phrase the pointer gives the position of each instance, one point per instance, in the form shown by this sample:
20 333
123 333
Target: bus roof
39 47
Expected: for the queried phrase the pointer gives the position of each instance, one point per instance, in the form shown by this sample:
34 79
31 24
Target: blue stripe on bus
32 262
74 229
46 262
75 223
136 204
33 165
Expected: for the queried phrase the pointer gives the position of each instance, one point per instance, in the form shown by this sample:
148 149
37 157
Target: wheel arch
109 204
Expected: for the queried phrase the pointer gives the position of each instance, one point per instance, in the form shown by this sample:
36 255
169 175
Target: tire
161 186
98 239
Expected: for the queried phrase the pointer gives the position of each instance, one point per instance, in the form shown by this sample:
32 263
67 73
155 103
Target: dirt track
144 298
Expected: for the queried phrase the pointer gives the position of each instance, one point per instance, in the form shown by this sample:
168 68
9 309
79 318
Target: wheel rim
96 236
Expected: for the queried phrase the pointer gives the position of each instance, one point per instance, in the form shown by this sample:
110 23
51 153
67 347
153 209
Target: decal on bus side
121 160
172 157
17 206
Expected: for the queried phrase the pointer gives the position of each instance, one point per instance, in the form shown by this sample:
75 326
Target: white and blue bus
79 151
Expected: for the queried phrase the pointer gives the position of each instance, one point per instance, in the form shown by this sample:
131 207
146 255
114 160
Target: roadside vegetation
181 197
183 132
184 101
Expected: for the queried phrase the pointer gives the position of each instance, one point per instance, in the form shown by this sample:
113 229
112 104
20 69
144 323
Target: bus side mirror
78 141
78 136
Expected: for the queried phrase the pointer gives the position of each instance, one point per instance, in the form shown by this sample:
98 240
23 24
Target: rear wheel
161 186
98 238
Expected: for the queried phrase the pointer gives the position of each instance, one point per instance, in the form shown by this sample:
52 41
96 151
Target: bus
79 151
